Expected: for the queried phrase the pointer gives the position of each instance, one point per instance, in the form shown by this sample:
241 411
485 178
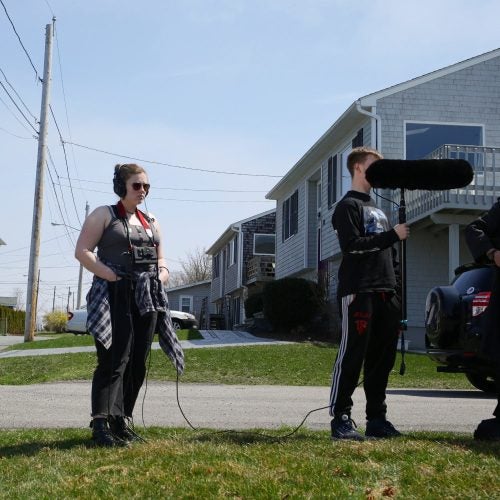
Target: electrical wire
16 117
179 189
66 162
19 97
154 162
14 135
20 41
18 108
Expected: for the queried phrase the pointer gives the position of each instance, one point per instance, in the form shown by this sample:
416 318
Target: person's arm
349 224
91 233
480 235
163 271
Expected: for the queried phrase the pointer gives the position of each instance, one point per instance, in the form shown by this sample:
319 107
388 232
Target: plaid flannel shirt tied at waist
149 296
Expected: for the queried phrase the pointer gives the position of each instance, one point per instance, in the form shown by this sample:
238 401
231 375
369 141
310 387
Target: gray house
453 112
193 298
243 261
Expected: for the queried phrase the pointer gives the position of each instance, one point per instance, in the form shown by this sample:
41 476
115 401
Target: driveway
241 407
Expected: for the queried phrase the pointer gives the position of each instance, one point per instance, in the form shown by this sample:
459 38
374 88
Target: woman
125 303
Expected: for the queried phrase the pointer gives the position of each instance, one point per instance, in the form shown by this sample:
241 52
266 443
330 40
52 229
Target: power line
154 162
66 161
179 199
18 108
179 189
14 135
19 97
20 41
15 116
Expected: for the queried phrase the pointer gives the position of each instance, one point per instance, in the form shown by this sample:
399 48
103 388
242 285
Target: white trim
371 99
456 124
190 297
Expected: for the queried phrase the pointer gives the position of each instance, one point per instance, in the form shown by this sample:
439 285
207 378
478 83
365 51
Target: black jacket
366 240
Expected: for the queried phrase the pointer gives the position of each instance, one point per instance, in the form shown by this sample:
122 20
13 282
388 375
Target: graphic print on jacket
375 221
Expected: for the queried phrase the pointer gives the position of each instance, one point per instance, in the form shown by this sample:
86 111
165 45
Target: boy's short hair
358 155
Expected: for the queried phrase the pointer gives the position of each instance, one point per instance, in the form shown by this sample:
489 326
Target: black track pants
121 369
370 327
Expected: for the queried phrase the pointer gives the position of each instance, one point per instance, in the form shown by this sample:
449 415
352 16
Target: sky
236 86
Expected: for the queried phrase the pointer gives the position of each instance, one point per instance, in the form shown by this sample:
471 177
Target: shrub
55 321
291 302
254 304
13 319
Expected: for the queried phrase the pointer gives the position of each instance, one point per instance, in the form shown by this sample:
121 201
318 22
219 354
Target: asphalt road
241 407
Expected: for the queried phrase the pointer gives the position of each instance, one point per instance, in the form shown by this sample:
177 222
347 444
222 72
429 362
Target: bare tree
197 266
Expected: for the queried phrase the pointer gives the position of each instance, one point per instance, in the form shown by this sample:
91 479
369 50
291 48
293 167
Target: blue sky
234 85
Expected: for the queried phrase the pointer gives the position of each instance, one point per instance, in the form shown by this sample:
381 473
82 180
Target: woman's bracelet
166 269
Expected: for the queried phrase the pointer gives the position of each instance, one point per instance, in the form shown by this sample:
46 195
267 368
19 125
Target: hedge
15 320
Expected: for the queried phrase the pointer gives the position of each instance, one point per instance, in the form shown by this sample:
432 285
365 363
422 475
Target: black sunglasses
137 185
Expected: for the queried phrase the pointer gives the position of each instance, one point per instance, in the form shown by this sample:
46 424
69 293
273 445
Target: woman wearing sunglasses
126 303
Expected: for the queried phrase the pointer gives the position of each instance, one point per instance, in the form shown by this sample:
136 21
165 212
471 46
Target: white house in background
242 262
193 298
453 112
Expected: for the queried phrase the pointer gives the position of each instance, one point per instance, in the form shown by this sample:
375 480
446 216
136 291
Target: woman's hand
164 274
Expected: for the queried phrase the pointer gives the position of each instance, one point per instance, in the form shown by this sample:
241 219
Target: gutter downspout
376 120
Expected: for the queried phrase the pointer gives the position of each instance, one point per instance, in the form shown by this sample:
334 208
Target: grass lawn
181 464
293 364
55 340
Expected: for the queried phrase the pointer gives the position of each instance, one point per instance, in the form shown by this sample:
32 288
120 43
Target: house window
216 265
233 250
421 139
290 222
332 180
358 140
186 303
264 244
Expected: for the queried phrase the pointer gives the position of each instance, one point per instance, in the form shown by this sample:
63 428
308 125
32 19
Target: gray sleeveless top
113 246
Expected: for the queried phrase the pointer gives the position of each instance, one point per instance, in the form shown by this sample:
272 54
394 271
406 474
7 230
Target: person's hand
402 230
112 276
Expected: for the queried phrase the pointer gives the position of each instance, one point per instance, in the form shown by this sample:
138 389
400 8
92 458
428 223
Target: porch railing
479 195
260 268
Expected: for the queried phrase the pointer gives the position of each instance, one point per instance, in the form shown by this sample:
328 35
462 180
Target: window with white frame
233 250
290 219
422 138
264 244
186 303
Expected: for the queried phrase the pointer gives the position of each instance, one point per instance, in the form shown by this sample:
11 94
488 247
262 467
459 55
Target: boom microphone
432 175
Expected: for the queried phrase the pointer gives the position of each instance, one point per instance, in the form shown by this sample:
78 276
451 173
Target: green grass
291 364
71 340
182 464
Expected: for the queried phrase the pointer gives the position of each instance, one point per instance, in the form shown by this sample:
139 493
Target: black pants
121 369
370 327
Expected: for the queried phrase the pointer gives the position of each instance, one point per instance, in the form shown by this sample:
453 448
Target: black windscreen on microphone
432 175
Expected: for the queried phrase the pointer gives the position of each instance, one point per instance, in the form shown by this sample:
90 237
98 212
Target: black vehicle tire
177 324
482 382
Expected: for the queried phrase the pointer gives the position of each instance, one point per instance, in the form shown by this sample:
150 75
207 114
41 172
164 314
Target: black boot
121 430
101 434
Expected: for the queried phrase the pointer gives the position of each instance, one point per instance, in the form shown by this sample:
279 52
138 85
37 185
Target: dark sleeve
483 234
347 220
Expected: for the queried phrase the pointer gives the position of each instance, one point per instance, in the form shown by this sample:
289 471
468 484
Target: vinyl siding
198 292
471 95
290 253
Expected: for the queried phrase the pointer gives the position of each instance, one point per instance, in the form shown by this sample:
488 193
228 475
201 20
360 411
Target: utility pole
80 273
29 326
69 295
54 300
